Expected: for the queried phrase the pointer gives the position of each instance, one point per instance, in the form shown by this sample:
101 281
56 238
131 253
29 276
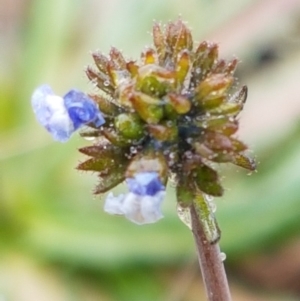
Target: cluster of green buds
172 114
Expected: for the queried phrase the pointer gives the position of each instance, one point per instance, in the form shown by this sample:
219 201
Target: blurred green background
55 241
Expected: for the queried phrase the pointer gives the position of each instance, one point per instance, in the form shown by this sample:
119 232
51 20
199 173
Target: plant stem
211 263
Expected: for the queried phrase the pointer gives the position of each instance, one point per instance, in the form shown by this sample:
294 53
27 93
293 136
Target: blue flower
82 109
51 112
146 183
61 116
141 204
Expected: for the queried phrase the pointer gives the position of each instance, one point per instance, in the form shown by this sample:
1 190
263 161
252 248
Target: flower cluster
173 114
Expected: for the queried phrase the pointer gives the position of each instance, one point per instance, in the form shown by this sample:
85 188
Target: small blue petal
143 209
136 208
51 112
62 116
114 204
82 109
38 103
146 183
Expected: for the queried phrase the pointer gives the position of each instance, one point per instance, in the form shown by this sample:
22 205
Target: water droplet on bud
209 198
169 123
172 155
133 150
222 256
188 154
198 70
89 138
184 215
213 206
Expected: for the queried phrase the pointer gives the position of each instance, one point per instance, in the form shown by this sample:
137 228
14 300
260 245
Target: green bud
178 37
211 91
169 111
129 125
183 65
221 125
150 109
229 108
205 56
152 86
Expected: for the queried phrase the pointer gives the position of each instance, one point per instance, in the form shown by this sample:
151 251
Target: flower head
171 114
141 204
61 116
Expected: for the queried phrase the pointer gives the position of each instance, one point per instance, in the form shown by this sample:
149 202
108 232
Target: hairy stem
211 263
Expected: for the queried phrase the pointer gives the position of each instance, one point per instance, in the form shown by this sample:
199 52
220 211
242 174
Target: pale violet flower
82 109
114 204
61 116
51 112
141 204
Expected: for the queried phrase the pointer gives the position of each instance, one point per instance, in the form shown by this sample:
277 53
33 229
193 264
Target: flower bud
183 65
205 56
178 37
129 125
211 91
150 109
